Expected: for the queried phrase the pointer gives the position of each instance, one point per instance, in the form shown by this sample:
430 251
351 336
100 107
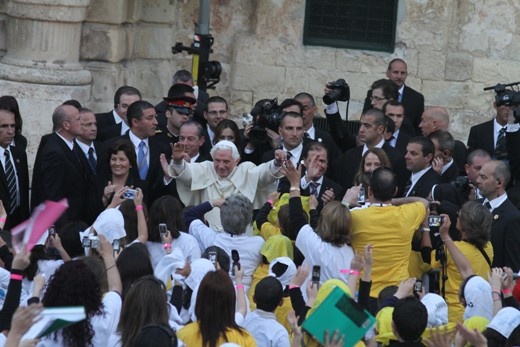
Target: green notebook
339 312
55 318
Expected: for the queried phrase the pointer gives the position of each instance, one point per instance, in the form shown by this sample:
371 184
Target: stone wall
453 50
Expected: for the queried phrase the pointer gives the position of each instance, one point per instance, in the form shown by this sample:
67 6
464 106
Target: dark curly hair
74 284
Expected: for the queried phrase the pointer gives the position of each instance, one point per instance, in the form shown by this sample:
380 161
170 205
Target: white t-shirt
248 247
266 330
318 252
187 243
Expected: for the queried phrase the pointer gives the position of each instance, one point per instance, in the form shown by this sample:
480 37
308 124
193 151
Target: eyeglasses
376 98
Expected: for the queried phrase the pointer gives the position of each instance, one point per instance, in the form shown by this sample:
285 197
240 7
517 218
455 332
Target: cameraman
254 147
337 127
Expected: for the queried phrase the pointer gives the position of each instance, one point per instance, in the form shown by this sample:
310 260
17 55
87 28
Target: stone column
41 65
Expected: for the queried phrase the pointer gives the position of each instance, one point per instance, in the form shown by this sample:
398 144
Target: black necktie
487 205
500 149
11 182
307 136
408 187
92 159
313 188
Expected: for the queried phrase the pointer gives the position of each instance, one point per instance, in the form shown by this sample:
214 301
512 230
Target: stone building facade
54 50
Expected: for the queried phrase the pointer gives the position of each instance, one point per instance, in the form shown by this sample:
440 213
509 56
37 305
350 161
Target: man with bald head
437 118
58 169
412 100
505 236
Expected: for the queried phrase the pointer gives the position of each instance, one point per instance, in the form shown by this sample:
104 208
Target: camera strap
485 256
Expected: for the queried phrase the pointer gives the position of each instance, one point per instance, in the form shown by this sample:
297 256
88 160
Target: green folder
55 318
339 312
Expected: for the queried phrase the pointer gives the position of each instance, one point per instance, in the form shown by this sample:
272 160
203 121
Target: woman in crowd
371 160
168 210
122 162
75 285
228 130
133 263
215 311
145 304
474 224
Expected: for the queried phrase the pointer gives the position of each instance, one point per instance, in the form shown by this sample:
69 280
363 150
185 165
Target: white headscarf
479 301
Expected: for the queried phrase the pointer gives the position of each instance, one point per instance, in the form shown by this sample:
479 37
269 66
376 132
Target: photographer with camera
261 127
334 92
490 136
472 255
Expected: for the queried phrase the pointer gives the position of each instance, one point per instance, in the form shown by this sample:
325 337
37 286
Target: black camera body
340 92
462 186
507 96
267 117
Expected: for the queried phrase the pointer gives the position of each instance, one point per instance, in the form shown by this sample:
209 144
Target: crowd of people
184 230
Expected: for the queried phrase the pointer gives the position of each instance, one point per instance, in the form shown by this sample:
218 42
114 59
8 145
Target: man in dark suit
217 109
487 135
419 156
371 132
114 123
86 140
444 144
412 100
292 140
395 110
58 170
505 236
314 182
312 133
143 124
14 176
191 136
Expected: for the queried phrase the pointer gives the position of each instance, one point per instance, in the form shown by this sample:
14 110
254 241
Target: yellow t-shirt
192 337
260 273
390 230
478 264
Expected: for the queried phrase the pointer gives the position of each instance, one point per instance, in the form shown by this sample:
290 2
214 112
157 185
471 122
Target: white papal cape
199 182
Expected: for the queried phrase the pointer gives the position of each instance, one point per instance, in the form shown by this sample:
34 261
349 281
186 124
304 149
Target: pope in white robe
207 181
